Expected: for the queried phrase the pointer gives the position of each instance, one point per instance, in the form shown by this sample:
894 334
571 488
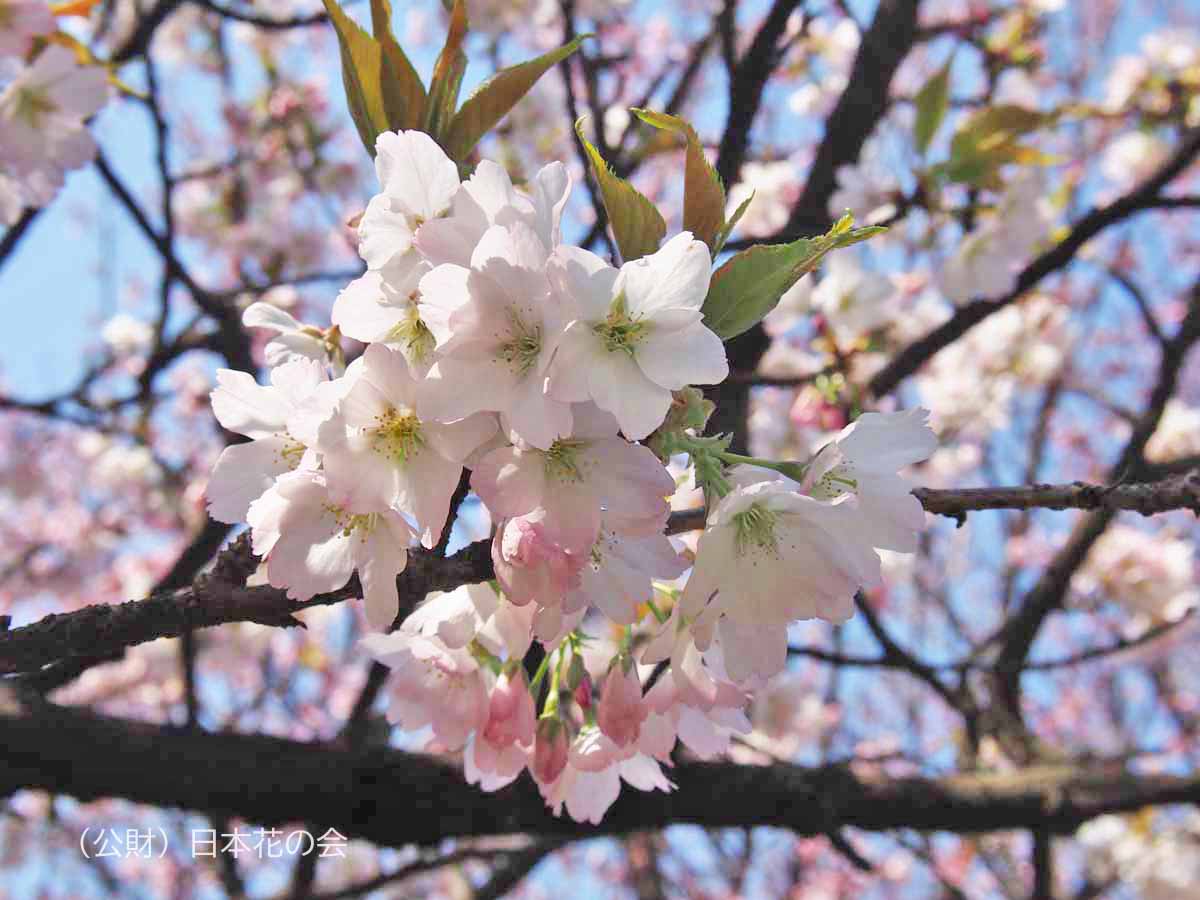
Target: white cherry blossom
418 182
637 333
243 472
380 454
313 546
497 328
863 460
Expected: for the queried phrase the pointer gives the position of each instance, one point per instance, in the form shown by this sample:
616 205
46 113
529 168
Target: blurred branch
1019 633
14 233
1145 196
862 104
240 15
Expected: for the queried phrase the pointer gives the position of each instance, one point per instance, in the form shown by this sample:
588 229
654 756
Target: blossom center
837 481
398 434
524 346
361 524
32 105
619 331
414 334
754 528
291 452
562 461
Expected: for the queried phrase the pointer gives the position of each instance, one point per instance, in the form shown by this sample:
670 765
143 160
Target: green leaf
637 225
703 193
364 70
496 96
989 139
447 76
932 102
403 93
749 285
727 228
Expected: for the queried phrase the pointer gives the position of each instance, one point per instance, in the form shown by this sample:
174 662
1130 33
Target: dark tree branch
1020 632
1172 492
862 104
103 629
395 799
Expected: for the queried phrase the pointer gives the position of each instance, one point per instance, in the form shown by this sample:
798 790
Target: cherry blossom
638 333
500 329
313 546
379 453
20 22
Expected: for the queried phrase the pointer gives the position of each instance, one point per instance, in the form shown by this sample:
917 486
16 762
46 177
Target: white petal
677 359
675 276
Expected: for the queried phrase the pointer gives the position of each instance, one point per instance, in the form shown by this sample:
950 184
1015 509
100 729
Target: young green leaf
403 93
932 102
703 193
363 71
637 225
447 75
989 139
727 228
749 285
496 96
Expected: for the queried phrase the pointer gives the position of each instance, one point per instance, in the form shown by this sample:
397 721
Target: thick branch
102 629
861 106
394 799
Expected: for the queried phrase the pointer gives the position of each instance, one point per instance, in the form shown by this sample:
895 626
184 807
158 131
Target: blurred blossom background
234 147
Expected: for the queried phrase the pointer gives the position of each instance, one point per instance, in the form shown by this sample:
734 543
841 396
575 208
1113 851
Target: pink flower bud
549 751
583 693
621 711
511 716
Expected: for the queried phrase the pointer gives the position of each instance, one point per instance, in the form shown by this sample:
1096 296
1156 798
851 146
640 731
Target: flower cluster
564 384
43 108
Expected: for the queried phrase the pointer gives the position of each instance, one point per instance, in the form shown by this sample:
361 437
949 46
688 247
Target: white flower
1131 158
243 472
488 198
637 333
1153 575
497 328
312 546
42 130
991 256
771 184
382 306
771 555
619 572
126 335
1178 433
591 781
868 188
851 298
20 22
380 454
418 182
295 341
578 481
432 685
863 460
474 612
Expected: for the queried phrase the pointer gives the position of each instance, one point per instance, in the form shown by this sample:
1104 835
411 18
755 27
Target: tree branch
103 629
1145 196
394 798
